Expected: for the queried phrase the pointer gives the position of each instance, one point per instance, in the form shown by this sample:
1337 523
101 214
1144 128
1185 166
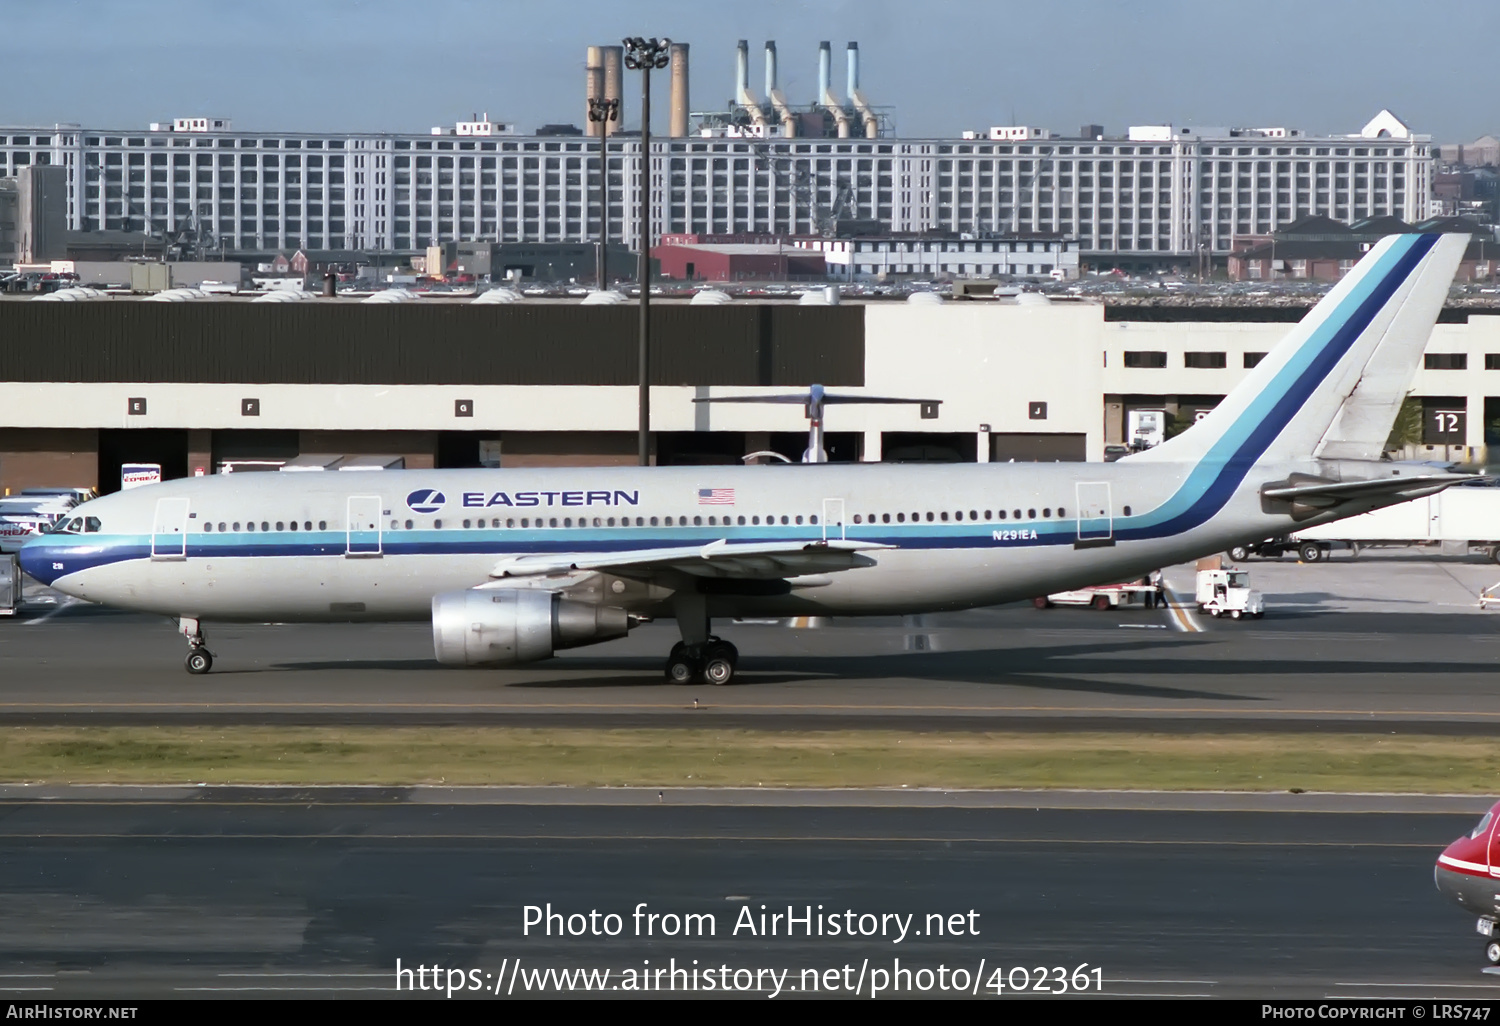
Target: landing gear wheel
1238 554
1310 553
199 661
718 670
1101 603
1354 550
680 669
1042 602
1492 952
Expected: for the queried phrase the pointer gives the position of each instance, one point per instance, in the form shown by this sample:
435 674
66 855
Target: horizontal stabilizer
1308 496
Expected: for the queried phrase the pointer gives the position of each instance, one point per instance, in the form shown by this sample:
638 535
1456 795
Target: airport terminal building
200 386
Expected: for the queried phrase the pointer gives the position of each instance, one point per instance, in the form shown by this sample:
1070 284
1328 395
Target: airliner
512 565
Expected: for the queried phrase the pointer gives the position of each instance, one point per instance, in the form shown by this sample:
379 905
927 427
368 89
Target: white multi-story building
1178 193
856 258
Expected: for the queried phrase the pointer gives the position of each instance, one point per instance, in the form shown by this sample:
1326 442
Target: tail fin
1332 387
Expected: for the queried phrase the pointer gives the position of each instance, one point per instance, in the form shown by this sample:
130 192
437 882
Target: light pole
645 55
601 112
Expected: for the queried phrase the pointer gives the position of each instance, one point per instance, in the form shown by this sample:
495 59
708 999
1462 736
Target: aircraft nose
37 560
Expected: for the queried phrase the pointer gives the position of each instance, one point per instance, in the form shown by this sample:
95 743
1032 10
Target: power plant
823 116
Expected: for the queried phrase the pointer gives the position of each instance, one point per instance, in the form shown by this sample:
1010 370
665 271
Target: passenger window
221 525
742 521
250 525
900 518
552 522
468 523
754 521
857 519
393 525
208 527
567 521
714 520
1061 512
437 525
1002 514
408 525
1016 514
236 525
1126 511
987 514
511 523
307 525
697 521
885 518
292 525
929 517
280 525
783 519
974 515
1031 514
799 520
264 526
1047 512
322 525
942 516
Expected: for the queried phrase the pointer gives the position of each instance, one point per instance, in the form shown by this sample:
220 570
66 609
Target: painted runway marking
66 605
794 839
1181 618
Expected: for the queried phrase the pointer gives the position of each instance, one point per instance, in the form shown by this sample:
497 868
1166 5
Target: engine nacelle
509 626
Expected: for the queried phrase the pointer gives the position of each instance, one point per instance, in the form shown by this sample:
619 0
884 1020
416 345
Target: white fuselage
380 545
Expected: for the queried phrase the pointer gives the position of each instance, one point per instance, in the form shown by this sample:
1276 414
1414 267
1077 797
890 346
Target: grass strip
693 757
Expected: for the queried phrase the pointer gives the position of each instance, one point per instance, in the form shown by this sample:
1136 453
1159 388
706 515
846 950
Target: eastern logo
426 500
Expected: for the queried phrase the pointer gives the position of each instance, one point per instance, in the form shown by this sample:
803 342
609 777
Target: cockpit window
66 526
91 524
1484 824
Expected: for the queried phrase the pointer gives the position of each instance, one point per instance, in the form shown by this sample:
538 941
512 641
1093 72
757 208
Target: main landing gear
699 657
711 663
199 659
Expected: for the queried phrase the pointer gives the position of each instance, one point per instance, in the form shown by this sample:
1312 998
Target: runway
262 892
1393 644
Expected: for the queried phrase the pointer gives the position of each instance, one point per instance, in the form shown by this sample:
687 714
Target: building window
1252 359
1206 361
1145 359
1492 361
1447 361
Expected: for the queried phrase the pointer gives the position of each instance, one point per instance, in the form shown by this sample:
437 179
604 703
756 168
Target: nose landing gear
199 658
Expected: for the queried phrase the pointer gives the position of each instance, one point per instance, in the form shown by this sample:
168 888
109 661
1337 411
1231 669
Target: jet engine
510 626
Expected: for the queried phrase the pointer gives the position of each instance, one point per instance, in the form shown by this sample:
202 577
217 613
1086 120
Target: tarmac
1384 643
313 893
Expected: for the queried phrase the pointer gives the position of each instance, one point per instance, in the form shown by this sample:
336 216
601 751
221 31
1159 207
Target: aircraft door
833 519
1096 525
364 526
169 529
1493 844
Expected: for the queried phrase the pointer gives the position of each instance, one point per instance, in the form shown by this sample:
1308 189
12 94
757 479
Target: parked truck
1462 519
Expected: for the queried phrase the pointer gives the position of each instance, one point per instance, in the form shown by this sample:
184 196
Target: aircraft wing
755 561
1328 494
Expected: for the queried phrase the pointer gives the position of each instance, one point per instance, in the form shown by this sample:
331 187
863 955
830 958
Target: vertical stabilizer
1332 387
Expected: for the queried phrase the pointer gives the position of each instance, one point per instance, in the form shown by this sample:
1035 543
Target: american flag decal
716 496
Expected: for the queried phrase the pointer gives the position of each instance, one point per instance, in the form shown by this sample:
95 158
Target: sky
1326 66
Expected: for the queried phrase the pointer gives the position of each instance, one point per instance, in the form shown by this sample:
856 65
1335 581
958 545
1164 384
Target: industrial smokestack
678 123
773 94
857 98
614 83
742 94
593 71
825 89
